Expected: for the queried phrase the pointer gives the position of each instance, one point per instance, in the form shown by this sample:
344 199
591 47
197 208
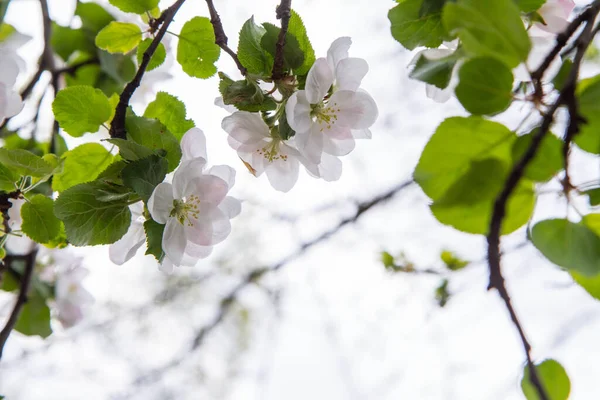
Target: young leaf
554 379
34 318
81 109
250 53
245 95
590 284
548 160
119 37
93 213
296 28
93 16
489 29
143 175
135 6
24 162
170 111
7 179
569 245
39 221
82 164
452 262
153 135
412 29
482 91
154 233
157 58
196 50
131 150
293 56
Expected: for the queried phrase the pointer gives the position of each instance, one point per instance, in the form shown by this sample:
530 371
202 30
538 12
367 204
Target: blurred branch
117 126
566 97
284 12
220 37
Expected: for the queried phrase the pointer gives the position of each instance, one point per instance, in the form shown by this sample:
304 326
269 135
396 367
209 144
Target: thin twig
220 37
284 12
117 126
496 280
21 299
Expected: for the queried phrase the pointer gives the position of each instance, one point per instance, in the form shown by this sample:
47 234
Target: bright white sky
342 328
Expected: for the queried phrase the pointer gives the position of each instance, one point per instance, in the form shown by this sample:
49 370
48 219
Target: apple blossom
555 14
71 296
10 101
331 111
121 251
262 150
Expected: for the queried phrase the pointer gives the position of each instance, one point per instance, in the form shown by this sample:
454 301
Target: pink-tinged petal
245 127
297 111
166 266
350 73
224 172
330 168
185 174
193 145
221 226
14 104
174 241
556 15
283 174
197 252
231 207
310 144
255 160
209 189
206 229
160 203
68 314
125 248
338 147
318 81
338 51
357 110
362 134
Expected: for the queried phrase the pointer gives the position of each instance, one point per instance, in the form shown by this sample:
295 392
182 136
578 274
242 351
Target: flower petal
350 73
210 189
193 145
338 51
357 110
337 147
310 144
166 266
224 172
174 241
318 81
185 174
125 248
297 111
245 127
362 134
231 207
195 251
330 168
160 203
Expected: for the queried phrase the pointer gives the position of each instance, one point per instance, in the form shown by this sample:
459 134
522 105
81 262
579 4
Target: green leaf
196 50
489 28
590 284
39 221
548 160
571 246
143 175
293 57
485 86
455 144
245 95
169 110
412 29
435 72
112 173
588 96
155 136
250 53
284 128
34 318
130 150
561 77
154 233
594 196
528 6
93 16
298 30
93 213
119 67
81 109
452 262
82 164
157 58
24 162
67 41
135 6
554 379
7 179
119 37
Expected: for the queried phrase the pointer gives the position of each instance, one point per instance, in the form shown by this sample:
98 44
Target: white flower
195 208
331 111
10 100
125 248
556 15
17 244
249 135
71 296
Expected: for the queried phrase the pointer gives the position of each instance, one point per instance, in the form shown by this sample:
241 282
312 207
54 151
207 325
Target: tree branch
117 126
220 37
21 299
284 12
566 97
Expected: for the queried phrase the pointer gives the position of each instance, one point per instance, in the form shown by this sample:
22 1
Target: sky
332 324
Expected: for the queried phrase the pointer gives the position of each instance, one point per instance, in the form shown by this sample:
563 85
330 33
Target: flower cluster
10 66
326 116
195 209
